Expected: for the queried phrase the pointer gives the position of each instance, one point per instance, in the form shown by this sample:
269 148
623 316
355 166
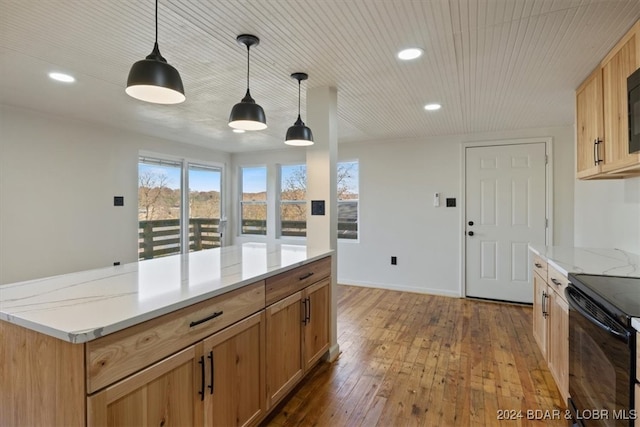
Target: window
253 203
293 203
163 203
348 194
205 206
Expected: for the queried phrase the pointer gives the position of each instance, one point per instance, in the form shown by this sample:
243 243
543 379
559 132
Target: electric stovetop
619 295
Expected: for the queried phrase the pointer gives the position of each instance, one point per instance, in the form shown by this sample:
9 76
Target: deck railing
162 237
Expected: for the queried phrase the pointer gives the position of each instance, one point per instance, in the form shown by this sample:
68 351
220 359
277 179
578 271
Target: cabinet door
540 310
589 123
165 394
558 350
615 70
234 367
316 326
284 346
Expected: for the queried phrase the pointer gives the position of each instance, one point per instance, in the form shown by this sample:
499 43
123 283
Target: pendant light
153 80
247 115
299 134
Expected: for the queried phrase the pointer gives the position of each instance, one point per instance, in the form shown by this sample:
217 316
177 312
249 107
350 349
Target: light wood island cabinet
203 365
297 325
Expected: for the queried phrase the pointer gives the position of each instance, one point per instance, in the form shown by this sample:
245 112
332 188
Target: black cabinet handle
201 392
555 282
306 276
309 308
538 265
544 304
470 223
471 233
206 319
210 357
304 315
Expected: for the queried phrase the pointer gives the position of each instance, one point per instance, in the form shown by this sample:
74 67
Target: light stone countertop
608 262
79 307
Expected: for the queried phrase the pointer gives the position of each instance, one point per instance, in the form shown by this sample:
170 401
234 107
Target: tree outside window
293 200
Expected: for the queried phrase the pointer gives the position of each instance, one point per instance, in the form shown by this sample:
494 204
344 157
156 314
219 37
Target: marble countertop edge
48 305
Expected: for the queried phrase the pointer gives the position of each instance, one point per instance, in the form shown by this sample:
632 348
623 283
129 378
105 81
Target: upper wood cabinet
602 114
589 125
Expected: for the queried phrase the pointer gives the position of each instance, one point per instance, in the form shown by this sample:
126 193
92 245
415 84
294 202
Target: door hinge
546 223
546 159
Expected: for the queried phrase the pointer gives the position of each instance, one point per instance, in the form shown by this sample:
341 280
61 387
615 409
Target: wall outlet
394 260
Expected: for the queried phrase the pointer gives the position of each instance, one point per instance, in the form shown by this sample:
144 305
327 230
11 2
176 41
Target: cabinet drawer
557 281
122 353
540 265
287 283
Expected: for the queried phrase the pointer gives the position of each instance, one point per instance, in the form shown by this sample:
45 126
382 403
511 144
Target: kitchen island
207 338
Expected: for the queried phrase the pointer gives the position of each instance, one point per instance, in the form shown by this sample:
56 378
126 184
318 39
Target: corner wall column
322 118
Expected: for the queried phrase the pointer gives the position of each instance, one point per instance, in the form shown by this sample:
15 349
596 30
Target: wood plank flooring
422 360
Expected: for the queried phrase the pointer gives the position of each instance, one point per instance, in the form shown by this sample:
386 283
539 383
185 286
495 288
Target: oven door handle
576 306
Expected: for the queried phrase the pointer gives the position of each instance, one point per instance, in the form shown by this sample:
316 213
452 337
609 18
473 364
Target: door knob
470 223
471 233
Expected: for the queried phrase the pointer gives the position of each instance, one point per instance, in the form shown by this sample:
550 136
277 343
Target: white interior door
505 205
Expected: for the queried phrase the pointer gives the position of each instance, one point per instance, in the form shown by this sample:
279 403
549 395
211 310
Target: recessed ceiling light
411 53
61 77
432 107
239 131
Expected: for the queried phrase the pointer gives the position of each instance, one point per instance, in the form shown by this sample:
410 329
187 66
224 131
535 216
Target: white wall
397 217
607 214
57 182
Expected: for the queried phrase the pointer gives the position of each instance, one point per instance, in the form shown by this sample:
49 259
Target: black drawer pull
206 319
306 276
555 282
538 265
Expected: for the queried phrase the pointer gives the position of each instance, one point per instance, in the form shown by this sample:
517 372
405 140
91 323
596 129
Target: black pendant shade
153 79
247 115
299 134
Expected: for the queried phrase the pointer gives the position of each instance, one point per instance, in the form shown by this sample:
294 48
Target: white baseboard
414 289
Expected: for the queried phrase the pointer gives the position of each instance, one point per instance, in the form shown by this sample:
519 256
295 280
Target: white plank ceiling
493 64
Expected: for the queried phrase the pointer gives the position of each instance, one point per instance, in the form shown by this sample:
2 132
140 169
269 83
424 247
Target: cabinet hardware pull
210 357
306 276
304 316
201 363
309 305
596 152
544 303
538 265
206 319
555 282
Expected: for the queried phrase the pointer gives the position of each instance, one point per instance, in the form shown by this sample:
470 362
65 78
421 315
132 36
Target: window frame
338 200
184 163
280 202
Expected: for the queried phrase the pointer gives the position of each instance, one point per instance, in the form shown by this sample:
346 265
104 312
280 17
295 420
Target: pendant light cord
156 21
298 98
248 48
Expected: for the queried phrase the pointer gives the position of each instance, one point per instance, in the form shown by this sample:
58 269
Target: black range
602 347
